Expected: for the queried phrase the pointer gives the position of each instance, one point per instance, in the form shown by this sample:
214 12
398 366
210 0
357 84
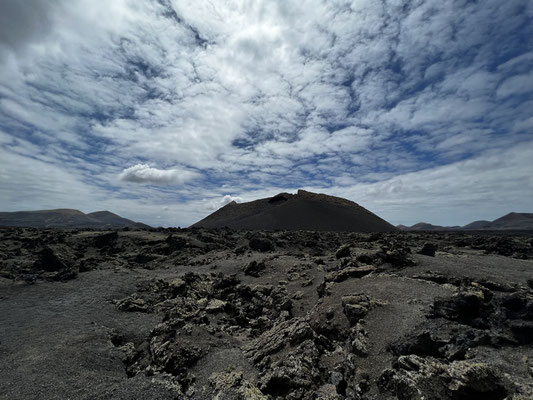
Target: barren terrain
225 314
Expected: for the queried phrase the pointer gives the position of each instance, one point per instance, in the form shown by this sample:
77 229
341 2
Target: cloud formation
143 173
224 201
245 97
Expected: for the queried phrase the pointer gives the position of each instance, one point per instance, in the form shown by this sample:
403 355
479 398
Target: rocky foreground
223 314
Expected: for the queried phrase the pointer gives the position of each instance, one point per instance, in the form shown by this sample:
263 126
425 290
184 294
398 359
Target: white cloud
516 85
143 173
224 201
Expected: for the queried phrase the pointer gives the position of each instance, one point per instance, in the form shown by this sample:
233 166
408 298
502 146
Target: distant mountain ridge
511 221
66 218
301 211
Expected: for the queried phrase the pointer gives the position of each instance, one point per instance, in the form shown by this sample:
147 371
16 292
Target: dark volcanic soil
223 314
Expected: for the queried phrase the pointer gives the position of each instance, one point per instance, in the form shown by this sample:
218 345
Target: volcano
301 211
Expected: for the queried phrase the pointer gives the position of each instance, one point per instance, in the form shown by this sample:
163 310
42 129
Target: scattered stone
106 240
356 307
298 295
307 283
414 377
254 268
366 258
260 244
396 254
465 307
132 304
143 258
233 386
215 305
56 267
174 243
343 251
522 331
177 285
348 273
48 260
358 336
429 250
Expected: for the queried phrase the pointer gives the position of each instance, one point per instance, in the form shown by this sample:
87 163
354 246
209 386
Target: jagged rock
144 258
327 392
105 240
177 285
48 260
87 264
396 254
522 331
132 304
343 251
439 278
57 267
215 305
233 386
298 370
174 356
366 258
347 273
286 333
358 337
465 307
419 378
174 243
518 305
254 268
63 275
260 244
429 249
356 307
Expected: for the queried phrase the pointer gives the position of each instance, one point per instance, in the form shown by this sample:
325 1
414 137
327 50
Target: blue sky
163 111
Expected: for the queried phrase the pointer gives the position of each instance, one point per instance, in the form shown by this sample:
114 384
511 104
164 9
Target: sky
163 111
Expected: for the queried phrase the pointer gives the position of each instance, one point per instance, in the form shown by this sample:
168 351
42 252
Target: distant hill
302 211
476 225
423 226
66 218
511 221
518 221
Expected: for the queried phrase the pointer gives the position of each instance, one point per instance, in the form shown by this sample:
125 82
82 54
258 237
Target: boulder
428 249
254 268
347 273
414 377
343 251
260 244
356 307
48 260
215 305
105 240
132 304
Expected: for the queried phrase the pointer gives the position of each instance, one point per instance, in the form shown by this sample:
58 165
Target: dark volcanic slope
66 218
476 225
518 221
303 211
